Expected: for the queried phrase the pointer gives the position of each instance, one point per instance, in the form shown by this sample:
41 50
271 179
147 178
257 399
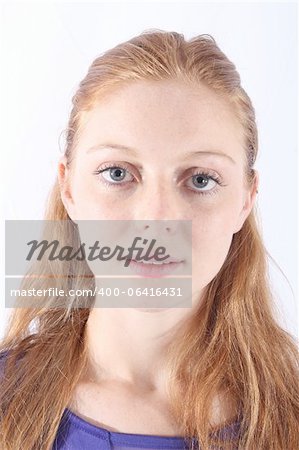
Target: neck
130 345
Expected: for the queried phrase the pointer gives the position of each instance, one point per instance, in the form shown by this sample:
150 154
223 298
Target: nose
158 210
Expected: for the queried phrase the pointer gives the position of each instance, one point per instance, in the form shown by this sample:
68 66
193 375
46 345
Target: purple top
76 433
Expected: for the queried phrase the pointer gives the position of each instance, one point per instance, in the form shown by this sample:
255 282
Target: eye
205 182
114 175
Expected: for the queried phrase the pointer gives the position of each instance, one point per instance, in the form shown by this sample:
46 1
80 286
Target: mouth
155 269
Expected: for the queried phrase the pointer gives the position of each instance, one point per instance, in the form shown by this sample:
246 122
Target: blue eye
114 174
202 182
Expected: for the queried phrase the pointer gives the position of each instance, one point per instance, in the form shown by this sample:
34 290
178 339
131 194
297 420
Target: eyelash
205 173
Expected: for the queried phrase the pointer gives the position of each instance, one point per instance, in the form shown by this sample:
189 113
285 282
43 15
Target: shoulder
224 408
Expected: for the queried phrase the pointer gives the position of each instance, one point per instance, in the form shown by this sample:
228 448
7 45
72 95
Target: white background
46 49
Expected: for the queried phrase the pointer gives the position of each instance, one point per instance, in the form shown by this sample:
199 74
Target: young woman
160 129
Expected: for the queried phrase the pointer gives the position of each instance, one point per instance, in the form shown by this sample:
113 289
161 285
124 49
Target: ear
64 185
248 203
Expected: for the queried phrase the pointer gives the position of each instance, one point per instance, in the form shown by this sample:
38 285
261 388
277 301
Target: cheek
91 204
214 223
212 234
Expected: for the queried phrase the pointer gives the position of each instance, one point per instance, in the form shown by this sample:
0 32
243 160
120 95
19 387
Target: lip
155 270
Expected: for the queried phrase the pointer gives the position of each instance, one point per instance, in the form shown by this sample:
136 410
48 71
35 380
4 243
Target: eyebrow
135 152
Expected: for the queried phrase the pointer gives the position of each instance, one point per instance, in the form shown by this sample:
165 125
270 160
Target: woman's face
161 134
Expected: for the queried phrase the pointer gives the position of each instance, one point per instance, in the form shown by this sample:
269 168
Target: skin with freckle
163 122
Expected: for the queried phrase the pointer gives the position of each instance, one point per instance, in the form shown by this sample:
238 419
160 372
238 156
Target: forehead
163 114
